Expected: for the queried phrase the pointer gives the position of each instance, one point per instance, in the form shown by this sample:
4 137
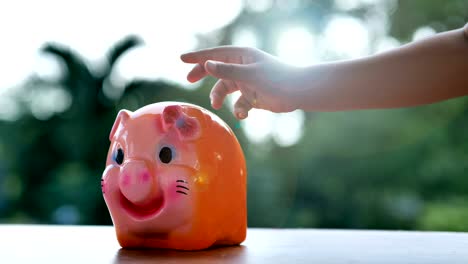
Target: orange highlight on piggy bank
175 178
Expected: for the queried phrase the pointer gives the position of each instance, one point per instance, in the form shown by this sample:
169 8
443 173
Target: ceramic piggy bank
175 178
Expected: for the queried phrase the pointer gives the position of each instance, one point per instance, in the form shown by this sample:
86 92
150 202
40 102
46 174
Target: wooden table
93 244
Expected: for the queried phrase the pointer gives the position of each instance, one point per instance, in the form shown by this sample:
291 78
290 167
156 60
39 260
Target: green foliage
440 14
449 215
387 169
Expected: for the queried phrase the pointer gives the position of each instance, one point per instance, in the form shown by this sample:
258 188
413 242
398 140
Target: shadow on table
234 254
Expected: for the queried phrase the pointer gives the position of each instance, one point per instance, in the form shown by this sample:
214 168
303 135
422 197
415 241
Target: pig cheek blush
175 178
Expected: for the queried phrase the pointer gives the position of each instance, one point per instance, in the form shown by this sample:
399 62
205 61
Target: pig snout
137 184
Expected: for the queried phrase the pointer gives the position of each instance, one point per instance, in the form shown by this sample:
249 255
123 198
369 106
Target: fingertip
241 115
215 106
189 57
196 74
190 79
183 57
210 66
242 107
215 103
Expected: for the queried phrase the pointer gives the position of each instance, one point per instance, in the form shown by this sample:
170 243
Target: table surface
98 244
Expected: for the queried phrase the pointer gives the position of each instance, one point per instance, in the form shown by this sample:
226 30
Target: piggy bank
175 178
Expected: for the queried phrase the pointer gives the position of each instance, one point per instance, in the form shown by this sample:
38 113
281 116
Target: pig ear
169 116
122 117
188 128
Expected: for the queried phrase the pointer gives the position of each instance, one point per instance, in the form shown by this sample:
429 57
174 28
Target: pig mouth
142 212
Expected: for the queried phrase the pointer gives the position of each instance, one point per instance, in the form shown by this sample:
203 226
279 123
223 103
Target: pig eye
165 155
119 156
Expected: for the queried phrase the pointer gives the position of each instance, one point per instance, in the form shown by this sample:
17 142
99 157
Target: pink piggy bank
175 178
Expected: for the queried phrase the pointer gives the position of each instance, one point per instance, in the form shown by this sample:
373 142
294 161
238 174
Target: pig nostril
145 177
126 180
136 182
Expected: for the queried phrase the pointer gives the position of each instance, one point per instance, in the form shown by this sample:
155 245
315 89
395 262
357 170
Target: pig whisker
183 187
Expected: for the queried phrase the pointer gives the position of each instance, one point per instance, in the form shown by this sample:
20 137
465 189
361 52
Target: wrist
313 85
299 87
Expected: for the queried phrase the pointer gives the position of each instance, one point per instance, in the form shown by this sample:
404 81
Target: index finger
228 54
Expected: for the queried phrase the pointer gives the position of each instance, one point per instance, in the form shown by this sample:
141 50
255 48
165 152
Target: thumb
230 71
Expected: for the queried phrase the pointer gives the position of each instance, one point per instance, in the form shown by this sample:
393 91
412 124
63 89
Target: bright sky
168 28
91 27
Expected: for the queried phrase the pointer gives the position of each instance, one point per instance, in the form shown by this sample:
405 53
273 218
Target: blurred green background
68 67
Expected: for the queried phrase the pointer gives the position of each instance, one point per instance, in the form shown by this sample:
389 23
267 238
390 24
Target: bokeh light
296 46
245 37
288 128
423 32
346 37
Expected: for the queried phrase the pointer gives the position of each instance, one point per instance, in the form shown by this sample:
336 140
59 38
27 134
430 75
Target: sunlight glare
10 110
48 67
47 101
91 28
347 37
259 5
288 128
423 32
386 44
258 126
285 128
347 5
245 37
296 46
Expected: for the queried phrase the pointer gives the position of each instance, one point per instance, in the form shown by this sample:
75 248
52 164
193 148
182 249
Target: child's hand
263 81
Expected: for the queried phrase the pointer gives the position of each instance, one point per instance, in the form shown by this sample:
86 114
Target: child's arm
423 72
